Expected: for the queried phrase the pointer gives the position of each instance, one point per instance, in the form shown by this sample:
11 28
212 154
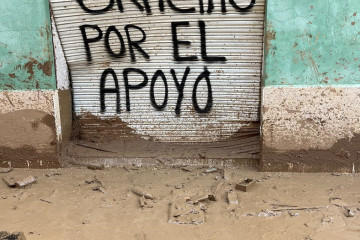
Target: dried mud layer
158 203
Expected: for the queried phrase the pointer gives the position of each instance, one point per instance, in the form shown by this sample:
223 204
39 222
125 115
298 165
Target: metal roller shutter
220 98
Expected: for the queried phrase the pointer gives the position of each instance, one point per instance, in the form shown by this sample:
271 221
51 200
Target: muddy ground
100 204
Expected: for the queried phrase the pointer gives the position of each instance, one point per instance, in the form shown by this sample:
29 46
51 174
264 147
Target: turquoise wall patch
26 50
312 42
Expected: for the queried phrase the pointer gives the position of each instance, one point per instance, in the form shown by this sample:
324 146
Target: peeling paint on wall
316 43
26 50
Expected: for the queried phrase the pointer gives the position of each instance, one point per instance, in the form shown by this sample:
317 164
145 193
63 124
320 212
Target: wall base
311 129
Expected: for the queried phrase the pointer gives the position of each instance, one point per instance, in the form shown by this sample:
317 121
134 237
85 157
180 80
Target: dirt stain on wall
28 137
344 156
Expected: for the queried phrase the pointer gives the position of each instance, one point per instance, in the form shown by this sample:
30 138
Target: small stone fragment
203 206
52 174
145 203
186 169
349 213
292 214
99 188
232 198
327 220
95 166
25 182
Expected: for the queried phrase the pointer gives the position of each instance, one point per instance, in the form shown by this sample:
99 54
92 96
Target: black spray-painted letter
158 73
107 42
177 42
180 87
104 90
90 40
135 44
128 86
209 103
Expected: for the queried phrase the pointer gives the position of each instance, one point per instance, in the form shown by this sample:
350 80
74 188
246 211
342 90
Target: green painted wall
312 42
26 51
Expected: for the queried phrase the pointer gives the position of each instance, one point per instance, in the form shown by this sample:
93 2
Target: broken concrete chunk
25 182
211 170
232 198
5 170
216 190
9 181
245 185
199 198
141 192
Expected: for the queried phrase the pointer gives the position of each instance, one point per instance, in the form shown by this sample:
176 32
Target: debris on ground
211 170
185 213
275 205
293 214
142 192
45 200
129 168
12 236
25 182
5 170
349 213
245 185
300 209
145 203
337 201
263 213
327 220
226 174
93 180
232 198
52 174
179 186
9 181
95 166
216 190
199 198
186 169
50 198
99 186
